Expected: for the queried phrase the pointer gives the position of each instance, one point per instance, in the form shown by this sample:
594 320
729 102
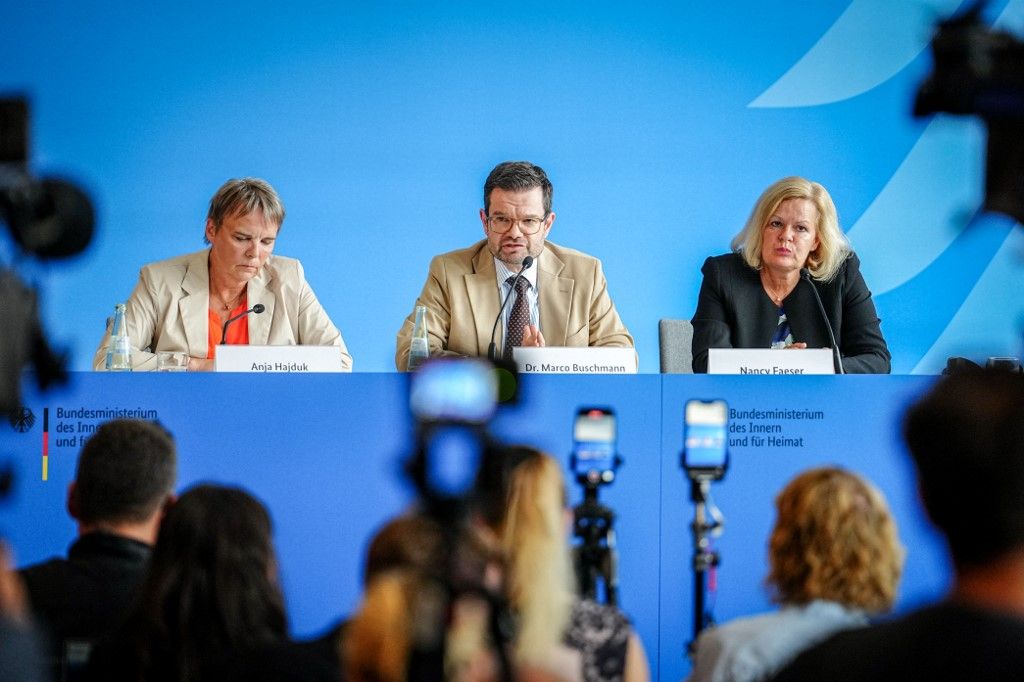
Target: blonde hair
376 644
833 246
400 560
539 580
834 539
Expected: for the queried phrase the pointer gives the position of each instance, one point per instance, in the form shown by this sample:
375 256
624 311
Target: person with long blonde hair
514 545
576 638
762 294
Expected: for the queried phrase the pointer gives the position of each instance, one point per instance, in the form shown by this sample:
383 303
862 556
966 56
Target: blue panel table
324 453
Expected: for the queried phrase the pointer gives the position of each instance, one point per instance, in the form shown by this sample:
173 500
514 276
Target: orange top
238 331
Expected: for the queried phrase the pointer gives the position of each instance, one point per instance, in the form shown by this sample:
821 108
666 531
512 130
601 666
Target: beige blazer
169 310
461 297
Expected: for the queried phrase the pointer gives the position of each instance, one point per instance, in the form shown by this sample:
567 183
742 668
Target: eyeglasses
502 224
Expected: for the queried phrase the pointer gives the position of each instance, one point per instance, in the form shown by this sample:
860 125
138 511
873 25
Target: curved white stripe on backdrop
929 198
974 331
922 209
857 53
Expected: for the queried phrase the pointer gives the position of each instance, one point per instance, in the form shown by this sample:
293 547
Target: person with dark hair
210 607
181 304
966 438
834 560
412 540
125 478
562 300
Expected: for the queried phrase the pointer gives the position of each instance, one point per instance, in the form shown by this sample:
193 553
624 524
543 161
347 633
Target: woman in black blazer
754 297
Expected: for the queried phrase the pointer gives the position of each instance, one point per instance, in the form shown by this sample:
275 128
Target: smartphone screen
593 441
705 435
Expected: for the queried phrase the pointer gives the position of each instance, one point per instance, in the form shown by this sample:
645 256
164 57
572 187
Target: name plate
278 359
770 361
566 360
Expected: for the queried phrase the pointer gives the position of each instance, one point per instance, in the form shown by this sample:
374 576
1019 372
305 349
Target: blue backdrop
659 125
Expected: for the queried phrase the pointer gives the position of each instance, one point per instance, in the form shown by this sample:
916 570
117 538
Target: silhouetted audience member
211 607
966 437
126 475
834 558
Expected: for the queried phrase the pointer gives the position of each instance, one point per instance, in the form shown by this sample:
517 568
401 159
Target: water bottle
119 352
419 349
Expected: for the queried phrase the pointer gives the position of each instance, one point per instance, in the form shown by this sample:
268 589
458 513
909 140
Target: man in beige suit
567 296
181 304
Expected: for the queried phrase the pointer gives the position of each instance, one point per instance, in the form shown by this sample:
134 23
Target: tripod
457 573
596 558
458 578
707 522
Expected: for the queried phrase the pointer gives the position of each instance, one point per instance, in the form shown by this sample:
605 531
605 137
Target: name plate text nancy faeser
770 361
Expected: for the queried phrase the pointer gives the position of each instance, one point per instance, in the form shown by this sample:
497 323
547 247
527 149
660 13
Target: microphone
491 348
805 274
257 309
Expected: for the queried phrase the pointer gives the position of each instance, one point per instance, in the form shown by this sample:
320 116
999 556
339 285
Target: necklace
229 305
776 298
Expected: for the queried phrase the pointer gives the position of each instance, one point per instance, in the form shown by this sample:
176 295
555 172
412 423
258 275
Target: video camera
980 71
452 401
47 218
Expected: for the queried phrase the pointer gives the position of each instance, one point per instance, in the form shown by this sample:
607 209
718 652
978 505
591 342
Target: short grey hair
242 196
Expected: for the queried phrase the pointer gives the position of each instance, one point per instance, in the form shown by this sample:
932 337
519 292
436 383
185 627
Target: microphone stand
805 274
257 309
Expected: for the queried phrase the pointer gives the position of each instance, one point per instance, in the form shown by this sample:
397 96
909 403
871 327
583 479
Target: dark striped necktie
518 318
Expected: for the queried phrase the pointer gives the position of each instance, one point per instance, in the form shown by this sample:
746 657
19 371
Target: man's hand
798 345
532 336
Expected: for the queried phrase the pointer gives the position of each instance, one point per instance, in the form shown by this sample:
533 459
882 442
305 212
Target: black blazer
733 311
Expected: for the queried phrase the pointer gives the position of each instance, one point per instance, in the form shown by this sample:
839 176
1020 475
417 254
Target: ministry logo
22 419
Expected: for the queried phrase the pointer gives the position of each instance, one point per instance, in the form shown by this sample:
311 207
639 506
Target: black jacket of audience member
21 659
946 641
88 594
282 661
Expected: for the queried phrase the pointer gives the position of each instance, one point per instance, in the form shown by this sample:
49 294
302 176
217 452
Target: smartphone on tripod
594 457
594 461
706 439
